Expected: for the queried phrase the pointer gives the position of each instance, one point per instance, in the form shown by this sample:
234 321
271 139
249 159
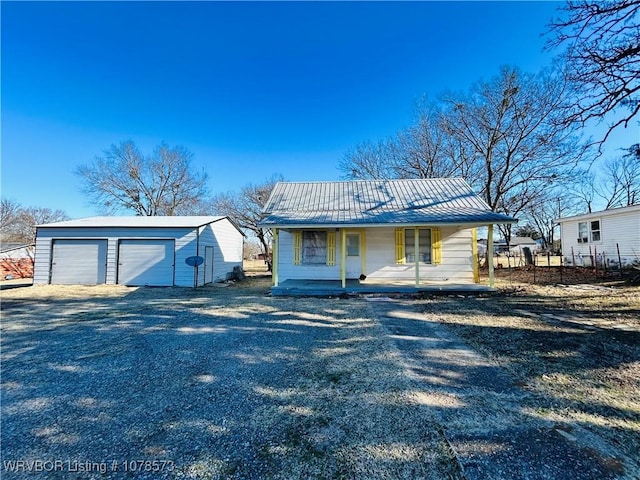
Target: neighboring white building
609 236
420 230
517 244
514 248
137 251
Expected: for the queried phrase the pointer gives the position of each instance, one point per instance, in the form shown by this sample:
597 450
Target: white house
153 251
517 244
610 236
414 231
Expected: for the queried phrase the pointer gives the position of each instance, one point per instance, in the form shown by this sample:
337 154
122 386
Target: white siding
618 228
227 244
287 270
379 245
222 235
185 246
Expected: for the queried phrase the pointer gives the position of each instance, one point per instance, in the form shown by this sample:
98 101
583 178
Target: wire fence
573 267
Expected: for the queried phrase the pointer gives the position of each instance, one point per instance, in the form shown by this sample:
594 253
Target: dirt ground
311 388
576 347
221 382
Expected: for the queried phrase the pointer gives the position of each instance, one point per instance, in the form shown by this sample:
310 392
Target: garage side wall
227 243
185 246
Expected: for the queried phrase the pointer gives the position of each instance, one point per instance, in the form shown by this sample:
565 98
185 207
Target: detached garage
154 251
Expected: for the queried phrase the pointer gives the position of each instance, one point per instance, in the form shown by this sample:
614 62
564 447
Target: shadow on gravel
211 383
580 366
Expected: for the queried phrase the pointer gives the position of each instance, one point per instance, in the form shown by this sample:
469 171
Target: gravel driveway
116 382
228 382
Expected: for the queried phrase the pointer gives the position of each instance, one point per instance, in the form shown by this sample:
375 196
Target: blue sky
252 89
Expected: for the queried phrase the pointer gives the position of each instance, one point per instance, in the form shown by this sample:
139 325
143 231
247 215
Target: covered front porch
379 260
324 288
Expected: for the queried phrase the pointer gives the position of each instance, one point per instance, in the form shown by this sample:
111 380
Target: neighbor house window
424 246
583 232
595 231
589 230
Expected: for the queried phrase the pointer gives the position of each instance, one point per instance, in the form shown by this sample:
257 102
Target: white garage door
79 262
146 262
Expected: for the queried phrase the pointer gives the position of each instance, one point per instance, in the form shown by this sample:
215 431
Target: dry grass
577 348
320 392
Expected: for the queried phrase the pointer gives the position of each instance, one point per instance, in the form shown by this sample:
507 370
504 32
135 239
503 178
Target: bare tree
9 211
32 216
503 136
423 150
245 207
602 58
160 184
370 161
583 189
512 136
427 151
620 185
19 223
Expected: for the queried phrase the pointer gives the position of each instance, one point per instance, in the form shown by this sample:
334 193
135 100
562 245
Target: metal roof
378 202
8 247
142 222
601 213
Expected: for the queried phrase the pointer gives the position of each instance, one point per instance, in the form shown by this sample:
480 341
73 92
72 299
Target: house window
589 230
429 248
353 245
583 233
424 245
314 247
595 231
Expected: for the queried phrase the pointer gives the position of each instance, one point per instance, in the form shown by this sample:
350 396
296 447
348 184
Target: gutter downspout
274 257
416 253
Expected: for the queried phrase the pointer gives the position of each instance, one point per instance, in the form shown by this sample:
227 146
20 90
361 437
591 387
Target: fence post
573 258
595 259
619 259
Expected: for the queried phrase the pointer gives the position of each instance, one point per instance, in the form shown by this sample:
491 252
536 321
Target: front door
208 265
354 252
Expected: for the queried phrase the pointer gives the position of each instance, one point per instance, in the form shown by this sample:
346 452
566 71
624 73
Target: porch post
363 251
474 255
490 254
274 257
416 248
343 257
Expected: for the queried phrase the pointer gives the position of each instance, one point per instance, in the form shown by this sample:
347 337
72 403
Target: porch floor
321 288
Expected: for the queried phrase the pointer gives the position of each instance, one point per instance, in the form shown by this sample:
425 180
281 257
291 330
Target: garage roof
142 222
